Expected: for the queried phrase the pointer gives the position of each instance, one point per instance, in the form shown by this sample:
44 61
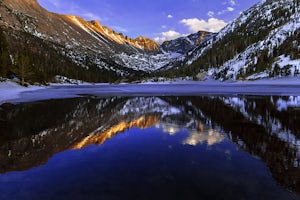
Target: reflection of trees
280 156
31 133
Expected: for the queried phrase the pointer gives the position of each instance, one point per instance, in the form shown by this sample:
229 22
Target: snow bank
11 90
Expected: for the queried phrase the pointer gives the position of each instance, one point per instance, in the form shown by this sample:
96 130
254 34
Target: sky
159 20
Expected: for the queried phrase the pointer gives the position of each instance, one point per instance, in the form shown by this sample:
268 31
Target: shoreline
11 92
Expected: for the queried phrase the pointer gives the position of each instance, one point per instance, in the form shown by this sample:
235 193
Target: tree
23 69
4 55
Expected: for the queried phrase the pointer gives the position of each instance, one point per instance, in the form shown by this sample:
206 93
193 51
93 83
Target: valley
37 45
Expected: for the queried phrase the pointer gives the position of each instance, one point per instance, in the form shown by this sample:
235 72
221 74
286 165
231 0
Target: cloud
232 2
73 8
212 25
230 9
92 16
169 35
119 29
170 16
229 2
210 13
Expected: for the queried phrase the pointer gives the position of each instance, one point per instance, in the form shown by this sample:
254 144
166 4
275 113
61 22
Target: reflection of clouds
211 137
196 137
171 129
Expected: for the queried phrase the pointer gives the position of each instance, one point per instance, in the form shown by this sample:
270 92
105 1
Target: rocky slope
262 42
77 48
183 45
86 44
37 45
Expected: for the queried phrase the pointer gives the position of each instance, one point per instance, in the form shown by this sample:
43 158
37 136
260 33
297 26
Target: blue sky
159 20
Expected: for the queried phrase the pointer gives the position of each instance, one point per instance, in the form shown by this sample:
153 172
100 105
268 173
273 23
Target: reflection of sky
141 159
195 137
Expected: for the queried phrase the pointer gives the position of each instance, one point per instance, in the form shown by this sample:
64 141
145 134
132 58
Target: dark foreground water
209 147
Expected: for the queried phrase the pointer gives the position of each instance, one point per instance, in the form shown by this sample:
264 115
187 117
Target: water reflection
266 127
211 137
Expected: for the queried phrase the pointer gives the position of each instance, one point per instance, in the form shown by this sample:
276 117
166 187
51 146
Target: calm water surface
209 147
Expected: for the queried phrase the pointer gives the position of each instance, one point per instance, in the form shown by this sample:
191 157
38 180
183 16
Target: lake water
204 147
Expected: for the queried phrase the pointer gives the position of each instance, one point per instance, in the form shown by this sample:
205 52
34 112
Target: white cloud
170 16
119 29
230 9
212 25
92 16
232 2
164 27
229 2
169 35
210 13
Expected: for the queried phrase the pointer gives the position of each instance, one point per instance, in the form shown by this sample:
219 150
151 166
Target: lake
167 147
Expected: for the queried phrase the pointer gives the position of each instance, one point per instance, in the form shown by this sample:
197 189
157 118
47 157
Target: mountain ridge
85 44
255 45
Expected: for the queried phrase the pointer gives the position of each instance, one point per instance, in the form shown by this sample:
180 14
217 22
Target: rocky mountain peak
183 45
96 23
148 44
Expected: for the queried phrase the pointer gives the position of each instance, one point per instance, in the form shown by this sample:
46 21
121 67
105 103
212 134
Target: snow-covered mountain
37 45
77 48
183 45
262 42
82 41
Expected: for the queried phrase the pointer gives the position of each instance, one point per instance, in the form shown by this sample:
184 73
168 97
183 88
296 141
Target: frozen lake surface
259 88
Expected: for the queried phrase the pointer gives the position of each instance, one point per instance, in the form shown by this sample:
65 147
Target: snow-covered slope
262 42
183 45
87 43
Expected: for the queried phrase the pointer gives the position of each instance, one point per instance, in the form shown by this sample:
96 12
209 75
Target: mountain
75 47
262 43
183 45
36 45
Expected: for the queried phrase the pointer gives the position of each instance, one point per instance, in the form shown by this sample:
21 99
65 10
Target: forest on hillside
34 60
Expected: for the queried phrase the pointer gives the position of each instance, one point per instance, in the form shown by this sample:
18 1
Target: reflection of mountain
101 137
265 127
29 137
257 125
32 133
